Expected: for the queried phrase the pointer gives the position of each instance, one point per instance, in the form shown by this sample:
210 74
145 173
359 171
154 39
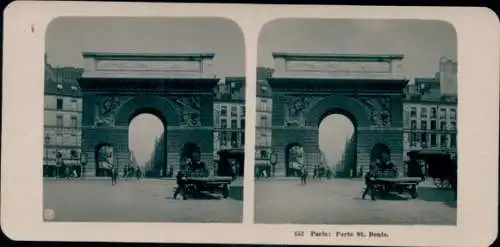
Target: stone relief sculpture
294 110
106 111
380 110
189 108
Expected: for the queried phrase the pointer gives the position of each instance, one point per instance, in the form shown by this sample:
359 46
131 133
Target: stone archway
365 88
177 88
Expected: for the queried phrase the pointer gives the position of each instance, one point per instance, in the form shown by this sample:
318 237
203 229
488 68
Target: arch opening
146 144
337 145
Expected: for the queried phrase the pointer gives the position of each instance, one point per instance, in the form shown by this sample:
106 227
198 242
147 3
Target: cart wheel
225 191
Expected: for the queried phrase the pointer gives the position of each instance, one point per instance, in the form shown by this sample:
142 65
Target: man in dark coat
414 168
369 181
181 183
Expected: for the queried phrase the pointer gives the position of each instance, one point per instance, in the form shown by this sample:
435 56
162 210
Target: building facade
263 131
62 119
306 88
175 87
229 114
430 117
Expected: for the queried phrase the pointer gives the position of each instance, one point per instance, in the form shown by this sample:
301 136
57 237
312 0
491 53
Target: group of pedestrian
66 171
129 172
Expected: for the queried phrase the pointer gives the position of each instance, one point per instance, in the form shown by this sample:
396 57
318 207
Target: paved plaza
148 200
338 201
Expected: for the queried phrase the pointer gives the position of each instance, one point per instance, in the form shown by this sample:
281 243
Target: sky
336 139
422 43
68 37
143 131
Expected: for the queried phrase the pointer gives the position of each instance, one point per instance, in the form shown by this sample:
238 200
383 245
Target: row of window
230 139
430 140
433 112
53 154
72 106
234 124
264 106
264 121
60 121
234 111
443 125
72 139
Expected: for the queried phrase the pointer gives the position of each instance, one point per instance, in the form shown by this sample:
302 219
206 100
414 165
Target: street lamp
273 160
83 161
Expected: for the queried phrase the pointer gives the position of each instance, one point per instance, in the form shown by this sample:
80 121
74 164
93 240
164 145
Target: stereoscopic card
318 125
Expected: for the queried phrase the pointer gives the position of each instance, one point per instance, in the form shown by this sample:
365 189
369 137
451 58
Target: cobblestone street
136 201
338 201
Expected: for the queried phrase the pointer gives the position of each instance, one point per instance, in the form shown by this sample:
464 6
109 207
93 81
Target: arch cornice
160 106
338 104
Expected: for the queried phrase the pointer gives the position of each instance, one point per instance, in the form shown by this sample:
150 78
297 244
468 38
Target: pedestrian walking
114 175
369 182
181 185
303 175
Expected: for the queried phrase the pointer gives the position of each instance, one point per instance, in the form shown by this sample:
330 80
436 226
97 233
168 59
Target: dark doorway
381 152
187 153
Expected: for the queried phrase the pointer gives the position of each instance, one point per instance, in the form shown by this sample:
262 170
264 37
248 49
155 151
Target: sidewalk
121 179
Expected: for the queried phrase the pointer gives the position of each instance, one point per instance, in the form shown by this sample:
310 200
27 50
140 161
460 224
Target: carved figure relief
294 110
189 108
106 110
380 110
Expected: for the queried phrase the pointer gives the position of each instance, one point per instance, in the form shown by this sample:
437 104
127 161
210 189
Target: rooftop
149 56
335 56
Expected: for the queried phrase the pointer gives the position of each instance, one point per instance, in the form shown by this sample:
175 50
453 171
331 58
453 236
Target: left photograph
144 120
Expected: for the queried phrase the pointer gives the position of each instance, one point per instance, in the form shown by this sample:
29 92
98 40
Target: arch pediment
159 106
348 106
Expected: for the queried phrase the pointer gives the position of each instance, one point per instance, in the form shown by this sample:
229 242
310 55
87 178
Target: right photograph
356 122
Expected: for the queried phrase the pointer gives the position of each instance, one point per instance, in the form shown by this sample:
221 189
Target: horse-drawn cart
439 167
385 185
194 186
195 182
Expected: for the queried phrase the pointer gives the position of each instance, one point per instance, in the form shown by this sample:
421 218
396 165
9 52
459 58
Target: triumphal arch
177 88
309 87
